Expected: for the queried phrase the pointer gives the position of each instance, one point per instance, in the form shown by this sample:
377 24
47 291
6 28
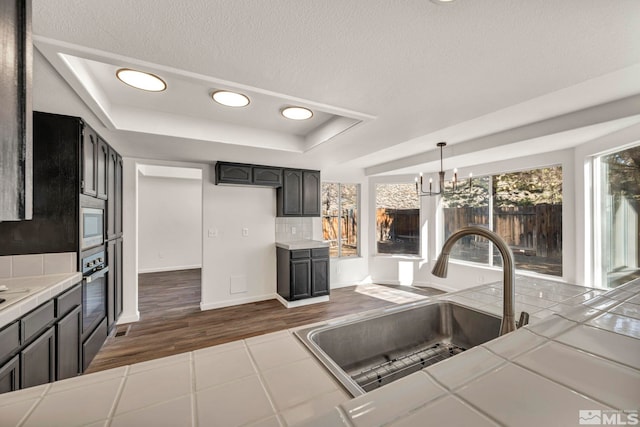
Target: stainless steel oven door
92 227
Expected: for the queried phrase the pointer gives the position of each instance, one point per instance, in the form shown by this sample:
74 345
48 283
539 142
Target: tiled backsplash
37 264
292 229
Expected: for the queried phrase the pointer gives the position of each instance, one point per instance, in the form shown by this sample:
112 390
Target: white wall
408 270
170 223
237 269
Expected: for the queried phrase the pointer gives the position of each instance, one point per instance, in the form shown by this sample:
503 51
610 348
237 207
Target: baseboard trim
174 268
228 303
302 302
129 319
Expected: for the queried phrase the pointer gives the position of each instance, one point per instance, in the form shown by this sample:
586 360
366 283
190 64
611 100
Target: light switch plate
245 232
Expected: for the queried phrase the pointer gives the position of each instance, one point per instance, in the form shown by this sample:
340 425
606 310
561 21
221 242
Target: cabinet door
10 375
291 192
89 156
68 356
38 360
15 113
231 173
319 276
300 278
118 205
111 284
118 279
310 193
102 162
263 175
111 194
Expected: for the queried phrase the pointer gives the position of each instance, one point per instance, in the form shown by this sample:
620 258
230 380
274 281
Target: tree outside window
524 208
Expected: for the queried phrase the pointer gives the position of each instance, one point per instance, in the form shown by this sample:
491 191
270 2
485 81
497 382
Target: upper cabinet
89 183
299 194
102 162
244 174
15 113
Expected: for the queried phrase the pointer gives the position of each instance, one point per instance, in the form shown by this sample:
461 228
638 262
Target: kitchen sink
11 296
370 352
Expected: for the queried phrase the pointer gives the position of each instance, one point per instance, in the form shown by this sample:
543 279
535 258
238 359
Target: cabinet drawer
68 300
93 344
36 321
302 253
9 340
320 253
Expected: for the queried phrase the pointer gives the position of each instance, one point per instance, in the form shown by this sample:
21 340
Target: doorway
169 239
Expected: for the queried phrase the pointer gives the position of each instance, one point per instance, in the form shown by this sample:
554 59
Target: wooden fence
348 227
531 230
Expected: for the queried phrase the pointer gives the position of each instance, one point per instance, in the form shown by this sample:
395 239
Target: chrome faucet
508 267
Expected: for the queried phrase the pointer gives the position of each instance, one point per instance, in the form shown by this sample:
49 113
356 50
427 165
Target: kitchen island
581 352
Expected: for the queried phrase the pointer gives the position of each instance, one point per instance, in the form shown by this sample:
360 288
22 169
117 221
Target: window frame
421 230
358 220
490 263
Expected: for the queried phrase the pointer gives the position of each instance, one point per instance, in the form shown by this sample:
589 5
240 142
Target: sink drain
379 375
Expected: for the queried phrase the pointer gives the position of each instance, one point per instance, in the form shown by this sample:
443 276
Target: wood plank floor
171 321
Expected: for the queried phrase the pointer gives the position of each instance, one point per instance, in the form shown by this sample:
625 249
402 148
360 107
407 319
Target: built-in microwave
91 227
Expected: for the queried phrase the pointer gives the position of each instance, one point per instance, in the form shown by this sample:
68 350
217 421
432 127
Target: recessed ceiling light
230 99
141 80
297 113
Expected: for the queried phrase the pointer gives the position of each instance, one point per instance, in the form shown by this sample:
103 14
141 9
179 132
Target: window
397 219
525 209
619 206
340 216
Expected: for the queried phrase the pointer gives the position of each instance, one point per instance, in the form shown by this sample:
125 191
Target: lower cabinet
44 345
303 273
38 360
10 375
68 354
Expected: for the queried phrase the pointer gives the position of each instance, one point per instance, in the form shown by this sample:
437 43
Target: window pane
527 214
330 216
397 219
469 206
620 196
349 220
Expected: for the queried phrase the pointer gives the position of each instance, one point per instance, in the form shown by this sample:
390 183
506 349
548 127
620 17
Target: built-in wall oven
94 290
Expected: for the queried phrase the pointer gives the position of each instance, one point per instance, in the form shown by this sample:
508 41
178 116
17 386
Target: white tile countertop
23 294
302 244
585 357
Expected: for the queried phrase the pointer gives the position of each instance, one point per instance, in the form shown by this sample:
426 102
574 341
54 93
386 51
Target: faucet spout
508 270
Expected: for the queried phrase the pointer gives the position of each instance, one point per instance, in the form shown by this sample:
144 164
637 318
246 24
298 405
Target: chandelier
456 187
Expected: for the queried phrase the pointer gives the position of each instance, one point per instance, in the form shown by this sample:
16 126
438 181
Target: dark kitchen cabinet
15 114
10 375
302 273
299 194
68 355
233 173
102 162
114 282
38 360
266 175
247 174
111 194
118 196
89 182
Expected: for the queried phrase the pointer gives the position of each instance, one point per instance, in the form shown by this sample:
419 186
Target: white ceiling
392 78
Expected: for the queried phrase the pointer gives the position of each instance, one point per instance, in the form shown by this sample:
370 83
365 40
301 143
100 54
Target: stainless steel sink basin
367 353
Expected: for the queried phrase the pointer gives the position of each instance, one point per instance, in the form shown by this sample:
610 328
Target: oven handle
97 274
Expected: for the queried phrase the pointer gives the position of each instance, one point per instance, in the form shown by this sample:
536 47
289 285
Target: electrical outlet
293 230
213 232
